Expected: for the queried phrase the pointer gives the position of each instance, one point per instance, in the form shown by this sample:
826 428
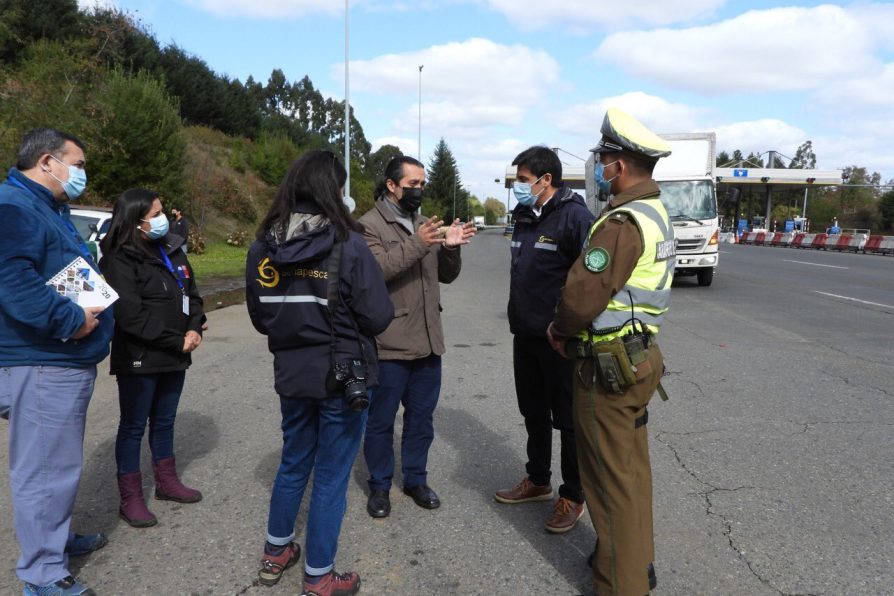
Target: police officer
551 226
612 307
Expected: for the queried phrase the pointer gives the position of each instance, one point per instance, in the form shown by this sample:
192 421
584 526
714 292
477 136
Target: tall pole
347 107
454 199
419 143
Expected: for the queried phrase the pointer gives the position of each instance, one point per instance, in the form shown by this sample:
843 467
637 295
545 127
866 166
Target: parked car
92 223
507 231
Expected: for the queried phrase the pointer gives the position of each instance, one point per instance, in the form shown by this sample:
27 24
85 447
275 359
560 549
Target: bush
229 199
143 144
238 238
196 241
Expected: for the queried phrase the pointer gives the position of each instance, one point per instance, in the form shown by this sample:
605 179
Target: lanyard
170 267
79 242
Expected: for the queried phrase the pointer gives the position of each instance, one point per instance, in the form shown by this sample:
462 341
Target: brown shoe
565 515
333 584
523 492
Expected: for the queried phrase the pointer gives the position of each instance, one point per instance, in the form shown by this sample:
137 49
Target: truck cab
692 208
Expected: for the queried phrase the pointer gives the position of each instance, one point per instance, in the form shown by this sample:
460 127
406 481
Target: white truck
687 182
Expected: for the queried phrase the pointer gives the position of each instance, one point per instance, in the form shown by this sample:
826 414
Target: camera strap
333 298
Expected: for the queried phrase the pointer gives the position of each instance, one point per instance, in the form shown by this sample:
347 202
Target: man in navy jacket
551 226
49 349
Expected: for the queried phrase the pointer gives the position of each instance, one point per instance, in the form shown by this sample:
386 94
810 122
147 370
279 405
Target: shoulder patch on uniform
597 259
619 217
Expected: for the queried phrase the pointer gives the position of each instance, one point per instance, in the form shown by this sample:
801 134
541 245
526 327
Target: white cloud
780 49
656 113
407 145
759 136
270 9
466 86
581 15
875 91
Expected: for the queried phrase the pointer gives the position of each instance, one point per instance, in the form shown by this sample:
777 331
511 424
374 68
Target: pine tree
444 186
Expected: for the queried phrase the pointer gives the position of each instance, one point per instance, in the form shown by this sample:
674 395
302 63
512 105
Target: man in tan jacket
415 254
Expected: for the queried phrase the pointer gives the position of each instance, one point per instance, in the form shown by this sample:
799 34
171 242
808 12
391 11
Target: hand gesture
90 322
428 232
457 234
191 341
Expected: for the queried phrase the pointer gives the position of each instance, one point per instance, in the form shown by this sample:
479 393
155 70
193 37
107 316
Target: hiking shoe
523 492
68 586
78 545
272 566
333 584
565 515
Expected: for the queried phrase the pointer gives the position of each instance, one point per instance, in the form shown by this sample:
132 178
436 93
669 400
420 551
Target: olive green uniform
613 449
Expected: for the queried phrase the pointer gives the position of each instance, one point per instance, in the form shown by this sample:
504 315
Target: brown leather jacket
412 271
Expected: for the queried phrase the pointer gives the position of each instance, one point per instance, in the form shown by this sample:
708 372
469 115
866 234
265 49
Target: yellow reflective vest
644 299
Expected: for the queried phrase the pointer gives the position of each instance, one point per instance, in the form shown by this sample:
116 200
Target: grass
219 260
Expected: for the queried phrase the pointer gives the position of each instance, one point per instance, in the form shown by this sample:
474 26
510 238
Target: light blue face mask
523 194
158 227
604 186
76 183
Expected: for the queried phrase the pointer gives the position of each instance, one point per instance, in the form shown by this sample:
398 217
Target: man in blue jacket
49 349
551 226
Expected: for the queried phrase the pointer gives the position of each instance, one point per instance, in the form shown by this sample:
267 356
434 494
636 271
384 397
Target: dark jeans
416 384
154 398
543 382
320 436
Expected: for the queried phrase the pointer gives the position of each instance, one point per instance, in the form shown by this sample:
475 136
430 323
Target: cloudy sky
500 75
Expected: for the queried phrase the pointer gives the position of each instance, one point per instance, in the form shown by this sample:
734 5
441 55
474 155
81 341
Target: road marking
815 264
855 300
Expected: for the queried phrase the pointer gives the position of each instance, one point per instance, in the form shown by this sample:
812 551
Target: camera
350 377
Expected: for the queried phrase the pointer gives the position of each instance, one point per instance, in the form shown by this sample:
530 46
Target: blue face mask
523 194
76 183
604 186
158 227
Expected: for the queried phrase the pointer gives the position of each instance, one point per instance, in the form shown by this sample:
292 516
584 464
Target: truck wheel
705 276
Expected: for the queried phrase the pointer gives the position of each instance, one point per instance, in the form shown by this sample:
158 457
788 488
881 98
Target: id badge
186 305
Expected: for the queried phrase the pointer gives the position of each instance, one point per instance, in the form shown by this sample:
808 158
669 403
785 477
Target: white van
92 223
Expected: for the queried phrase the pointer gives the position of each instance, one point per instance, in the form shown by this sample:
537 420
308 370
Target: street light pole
419 143
347 106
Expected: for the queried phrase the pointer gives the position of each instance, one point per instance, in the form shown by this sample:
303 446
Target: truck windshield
688 199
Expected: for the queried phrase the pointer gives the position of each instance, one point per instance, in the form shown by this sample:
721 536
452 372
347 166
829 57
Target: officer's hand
557 345
457 234
429 233
91 322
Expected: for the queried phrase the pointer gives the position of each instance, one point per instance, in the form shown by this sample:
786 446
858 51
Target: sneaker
272 566
64 587
523 492
565 515
333 584
79 545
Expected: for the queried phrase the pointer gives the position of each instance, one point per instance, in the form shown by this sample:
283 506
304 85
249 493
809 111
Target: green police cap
623 132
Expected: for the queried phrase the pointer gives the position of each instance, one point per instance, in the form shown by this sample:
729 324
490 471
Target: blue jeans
154 398
47 411
416 384
323 436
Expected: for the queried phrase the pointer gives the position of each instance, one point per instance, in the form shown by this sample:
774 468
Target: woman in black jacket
320 313
158 323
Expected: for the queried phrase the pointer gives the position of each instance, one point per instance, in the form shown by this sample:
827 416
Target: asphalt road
772 462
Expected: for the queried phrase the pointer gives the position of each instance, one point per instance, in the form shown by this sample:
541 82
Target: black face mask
410 199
